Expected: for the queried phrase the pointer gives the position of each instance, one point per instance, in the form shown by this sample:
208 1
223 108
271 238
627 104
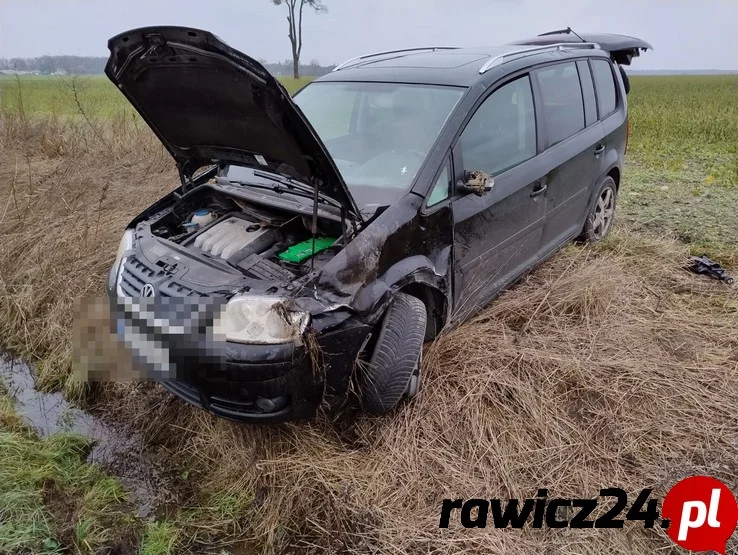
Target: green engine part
302 251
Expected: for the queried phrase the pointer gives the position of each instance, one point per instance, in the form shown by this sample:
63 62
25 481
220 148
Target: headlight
126 243
260 320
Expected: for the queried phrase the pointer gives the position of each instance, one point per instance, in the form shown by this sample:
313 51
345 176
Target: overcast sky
686 34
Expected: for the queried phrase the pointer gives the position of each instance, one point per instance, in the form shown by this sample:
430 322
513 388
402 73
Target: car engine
262 243
228 236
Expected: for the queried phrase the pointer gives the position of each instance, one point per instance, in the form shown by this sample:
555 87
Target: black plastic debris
708 267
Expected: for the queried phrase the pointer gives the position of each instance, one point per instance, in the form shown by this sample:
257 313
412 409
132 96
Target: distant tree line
88 65
313 69
55 64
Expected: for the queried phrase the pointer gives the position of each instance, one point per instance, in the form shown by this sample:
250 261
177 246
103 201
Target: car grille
246 406
171 289
136 274
219 404
186 392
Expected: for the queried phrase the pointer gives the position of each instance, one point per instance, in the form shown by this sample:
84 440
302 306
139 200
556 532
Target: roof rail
530 51
352 61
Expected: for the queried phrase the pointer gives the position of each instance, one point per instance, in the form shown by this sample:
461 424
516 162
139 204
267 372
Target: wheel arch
436 305
614 172
416 275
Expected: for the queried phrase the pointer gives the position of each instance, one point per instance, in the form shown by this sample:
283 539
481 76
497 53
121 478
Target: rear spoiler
622 48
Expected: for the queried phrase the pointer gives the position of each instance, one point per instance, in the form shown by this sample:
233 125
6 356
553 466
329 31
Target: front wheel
601 215
394 368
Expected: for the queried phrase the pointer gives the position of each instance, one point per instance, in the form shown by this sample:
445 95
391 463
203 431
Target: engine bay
263 243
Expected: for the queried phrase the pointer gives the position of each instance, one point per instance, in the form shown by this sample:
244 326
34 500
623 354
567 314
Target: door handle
599 149
539 189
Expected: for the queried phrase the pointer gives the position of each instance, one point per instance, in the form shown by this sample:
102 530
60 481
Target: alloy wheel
604 213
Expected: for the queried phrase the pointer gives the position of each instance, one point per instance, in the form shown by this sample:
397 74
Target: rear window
605 87
563 110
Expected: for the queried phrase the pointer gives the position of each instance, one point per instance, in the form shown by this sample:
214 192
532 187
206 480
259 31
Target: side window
563 108
502 132
605 86
441 187
590 104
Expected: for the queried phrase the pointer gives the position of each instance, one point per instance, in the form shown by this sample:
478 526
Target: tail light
627 134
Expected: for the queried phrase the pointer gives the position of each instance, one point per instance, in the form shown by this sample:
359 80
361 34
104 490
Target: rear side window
590 104
563 109
502 132
605 87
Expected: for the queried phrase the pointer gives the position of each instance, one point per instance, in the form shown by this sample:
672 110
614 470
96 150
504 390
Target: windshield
378 134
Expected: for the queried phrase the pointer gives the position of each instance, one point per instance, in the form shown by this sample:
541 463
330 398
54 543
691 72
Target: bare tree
294 19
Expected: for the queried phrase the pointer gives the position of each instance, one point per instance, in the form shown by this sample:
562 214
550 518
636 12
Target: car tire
394 368
602 213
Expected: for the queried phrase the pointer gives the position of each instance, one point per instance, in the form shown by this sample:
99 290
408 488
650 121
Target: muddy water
115 448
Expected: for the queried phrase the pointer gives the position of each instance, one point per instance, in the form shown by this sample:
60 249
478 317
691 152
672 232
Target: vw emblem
148 291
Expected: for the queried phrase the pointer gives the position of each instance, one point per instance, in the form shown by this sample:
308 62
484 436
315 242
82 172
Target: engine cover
228 237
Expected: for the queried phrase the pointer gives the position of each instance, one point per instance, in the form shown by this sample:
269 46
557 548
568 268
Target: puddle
117 449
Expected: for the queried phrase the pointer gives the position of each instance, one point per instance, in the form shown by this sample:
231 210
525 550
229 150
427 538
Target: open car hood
622 48
210 103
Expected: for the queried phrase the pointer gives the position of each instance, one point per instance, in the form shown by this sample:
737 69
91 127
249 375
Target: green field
64 96
682 168
610 366
682 173
678 123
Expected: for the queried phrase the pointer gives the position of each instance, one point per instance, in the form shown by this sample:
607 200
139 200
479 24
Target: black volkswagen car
322 239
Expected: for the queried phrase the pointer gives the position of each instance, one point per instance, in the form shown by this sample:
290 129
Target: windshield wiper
280 187
299 185
293 185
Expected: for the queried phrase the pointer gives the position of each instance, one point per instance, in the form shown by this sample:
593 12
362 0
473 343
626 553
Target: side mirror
477 182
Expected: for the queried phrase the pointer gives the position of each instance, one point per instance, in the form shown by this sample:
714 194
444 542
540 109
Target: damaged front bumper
245 382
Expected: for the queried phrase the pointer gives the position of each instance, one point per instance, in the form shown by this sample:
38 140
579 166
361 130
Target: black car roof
450 65
622 48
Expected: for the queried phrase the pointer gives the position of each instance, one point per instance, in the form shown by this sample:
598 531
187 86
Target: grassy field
63 96
683 151
608 367
683 158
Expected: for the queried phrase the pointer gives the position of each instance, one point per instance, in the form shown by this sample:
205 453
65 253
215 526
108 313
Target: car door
497 234
574 148
612 108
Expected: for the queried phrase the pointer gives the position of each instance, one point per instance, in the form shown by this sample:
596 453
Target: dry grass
68 190
609 366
